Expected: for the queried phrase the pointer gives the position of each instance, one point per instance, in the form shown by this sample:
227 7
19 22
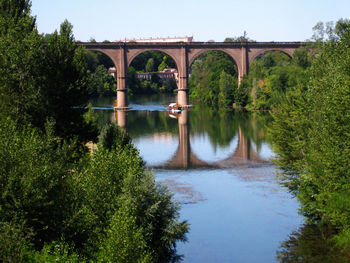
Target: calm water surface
218 165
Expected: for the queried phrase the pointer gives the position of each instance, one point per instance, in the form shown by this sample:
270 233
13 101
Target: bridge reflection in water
184 158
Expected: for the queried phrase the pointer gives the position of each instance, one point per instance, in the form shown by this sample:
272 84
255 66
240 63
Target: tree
243 38
330 32
205 76
125 241
150 65
58 202
341 27
140 61
81 205
21 62
42 78
312 139
164 64
102 83
227 88
33 183
65 88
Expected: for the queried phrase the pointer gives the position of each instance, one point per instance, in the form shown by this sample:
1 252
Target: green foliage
139 62
20 62
330 32
149 65
150 61
116 176
102 83
49 196
270 76
55 252
227 85
41 77
204 83
125 241
111 136
90 117
33 184
58 203
312 139
164 63
13 242
65 92
95 59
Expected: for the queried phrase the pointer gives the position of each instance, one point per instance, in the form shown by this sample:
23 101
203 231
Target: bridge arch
196 53
132 54
234 57
110 55
256 53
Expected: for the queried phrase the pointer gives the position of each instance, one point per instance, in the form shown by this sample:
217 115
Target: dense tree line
270 76
33 71
152 61
58 202
311 133
213 79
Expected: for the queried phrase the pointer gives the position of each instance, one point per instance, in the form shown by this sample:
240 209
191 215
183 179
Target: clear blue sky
263 20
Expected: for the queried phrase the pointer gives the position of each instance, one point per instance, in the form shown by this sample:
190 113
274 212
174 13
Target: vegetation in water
58 202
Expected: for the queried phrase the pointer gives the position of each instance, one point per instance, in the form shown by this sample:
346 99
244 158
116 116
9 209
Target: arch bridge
183 54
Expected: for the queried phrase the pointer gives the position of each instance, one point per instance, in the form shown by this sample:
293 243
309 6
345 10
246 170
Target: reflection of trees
184 158
223 125
149 122
311 244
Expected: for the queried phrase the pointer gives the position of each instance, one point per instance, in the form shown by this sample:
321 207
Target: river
218 165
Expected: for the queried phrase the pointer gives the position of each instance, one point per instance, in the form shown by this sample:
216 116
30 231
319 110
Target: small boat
174 107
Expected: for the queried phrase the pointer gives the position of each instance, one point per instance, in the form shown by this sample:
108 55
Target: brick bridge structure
183 54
